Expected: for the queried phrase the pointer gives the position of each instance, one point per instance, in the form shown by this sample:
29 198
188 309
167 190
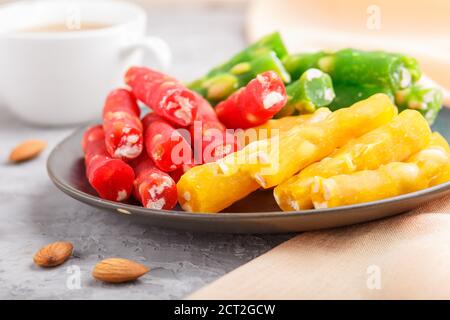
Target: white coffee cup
61 78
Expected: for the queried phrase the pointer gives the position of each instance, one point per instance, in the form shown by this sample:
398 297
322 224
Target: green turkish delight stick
347 95
427 100
218 87
262 55
268 61
412 65
271 42
313 90
297 64
377 68
357 67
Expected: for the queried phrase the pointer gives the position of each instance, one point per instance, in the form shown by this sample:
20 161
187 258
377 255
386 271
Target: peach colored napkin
403 257
366 24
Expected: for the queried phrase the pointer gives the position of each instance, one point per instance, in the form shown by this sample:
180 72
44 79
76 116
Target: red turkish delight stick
165 95
216 147
205 112
148 119
152 187
254 104
176 175
229 111
122 126
168 149
111 178
211 141
200 132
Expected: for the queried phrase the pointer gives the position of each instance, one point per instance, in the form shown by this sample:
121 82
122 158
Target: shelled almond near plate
387 25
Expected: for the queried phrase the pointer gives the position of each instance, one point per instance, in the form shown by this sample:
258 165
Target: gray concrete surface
33 212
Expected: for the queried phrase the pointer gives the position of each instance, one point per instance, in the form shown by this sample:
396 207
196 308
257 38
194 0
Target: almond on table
53 254
27 150
118 270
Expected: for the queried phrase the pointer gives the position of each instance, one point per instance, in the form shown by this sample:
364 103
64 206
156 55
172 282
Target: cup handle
154 46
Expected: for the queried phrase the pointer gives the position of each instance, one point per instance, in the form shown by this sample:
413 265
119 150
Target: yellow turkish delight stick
271 162
275 126
397 140
444 175
206 189
389 180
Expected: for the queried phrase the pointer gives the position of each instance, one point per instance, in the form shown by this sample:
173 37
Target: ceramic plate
257 213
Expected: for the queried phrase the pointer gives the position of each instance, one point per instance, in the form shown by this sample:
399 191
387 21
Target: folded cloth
403 257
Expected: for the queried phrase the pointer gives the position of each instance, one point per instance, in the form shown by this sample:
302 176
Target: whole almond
27 150
53 254
117 270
